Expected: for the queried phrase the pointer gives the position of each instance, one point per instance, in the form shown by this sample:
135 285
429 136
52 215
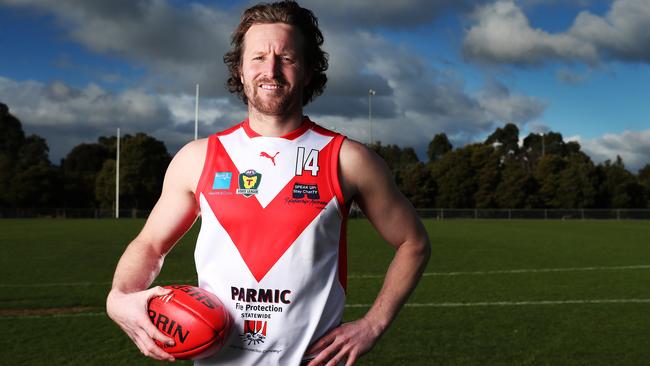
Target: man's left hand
345 343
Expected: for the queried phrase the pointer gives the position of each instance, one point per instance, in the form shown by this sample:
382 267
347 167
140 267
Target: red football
195 318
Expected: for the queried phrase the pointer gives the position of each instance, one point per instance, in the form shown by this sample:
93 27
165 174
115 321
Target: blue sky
74 71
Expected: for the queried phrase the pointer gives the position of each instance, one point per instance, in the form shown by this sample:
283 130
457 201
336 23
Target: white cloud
502 105
67 116
632 146
502 34
180 45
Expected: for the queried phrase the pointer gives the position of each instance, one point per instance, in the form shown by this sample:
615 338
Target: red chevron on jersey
263 234
280 222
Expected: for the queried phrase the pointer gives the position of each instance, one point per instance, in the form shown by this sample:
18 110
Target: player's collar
304 126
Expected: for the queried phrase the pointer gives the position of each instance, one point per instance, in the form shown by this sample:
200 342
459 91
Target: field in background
495 292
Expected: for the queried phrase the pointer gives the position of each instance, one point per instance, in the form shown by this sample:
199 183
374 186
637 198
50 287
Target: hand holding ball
195 318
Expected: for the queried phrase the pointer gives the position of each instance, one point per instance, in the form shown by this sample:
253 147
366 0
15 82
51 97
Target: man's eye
258 58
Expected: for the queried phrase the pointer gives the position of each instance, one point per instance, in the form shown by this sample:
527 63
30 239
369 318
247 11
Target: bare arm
367 180
171 217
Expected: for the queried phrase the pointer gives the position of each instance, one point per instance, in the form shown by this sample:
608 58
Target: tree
577 183
80 168
535 146
618 187
507 138
517 187
456 178
547 173
143 161
418 185
644 180
486 161
438 147
27 178
395 157
12 138
105 185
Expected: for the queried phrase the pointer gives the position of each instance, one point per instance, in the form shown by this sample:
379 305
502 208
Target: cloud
383 13
632 146
502 34
180 46
502 105
414 101
67 116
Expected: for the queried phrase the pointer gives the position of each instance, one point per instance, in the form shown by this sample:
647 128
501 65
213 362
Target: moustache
278 82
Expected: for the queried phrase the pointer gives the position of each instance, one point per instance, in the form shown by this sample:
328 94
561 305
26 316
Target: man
273 193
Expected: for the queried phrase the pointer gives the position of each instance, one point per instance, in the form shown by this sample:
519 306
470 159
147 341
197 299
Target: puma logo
263 154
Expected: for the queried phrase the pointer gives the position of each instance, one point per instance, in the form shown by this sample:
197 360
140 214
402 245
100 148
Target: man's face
272 69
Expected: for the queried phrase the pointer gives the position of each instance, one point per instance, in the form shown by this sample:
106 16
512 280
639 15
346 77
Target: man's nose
272 66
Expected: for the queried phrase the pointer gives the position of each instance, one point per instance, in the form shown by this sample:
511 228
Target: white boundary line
518 271
513 303
363 276
407 305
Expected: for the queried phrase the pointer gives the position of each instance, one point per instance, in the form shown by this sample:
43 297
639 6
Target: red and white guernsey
272 240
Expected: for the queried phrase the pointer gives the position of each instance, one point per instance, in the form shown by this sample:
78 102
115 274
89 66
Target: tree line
544 172
85 177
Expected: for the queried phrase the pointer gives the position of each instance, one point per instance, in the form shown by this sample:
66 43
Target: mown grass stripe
364 276
514 303
407 305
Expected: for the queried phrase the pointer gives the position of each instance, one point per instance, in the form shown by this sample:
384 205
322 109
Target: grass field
495 292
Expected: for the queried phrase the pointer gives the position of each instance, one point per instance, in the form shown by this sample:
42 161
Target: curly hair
288 12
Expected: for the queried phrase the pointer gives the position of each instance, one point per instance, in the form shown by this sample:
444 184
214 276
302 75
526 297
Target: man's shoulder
354 152
193 149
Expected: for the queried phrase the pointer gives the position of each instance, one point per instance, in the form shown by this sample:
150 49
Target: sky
74 70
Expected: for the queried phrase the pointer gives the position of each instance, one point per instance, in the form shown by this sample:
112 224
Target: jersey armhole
204 179
334 173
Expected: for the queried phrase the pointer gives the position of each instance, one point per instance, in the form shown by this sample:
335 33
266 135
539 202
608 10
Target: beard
282 101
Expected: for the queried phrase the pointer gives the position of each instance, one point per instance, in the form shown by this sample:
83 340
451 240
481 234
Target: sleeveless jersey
272 240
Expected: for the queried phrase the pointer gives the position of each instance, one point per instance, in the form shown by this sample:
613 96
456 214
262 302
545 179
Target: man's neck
273 126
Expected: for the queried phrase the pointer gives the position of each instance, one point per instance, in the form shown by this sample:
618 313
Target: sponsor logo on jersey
254 331
306 194
249 181
305 190
221 180
260 295
268 156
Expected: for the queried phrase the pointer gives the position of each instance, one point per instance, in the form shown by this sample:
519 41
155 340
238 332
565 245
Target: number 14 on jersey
307 162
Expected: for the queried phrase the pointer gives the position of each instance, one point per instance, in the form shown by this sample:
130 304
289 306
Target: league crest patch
249 181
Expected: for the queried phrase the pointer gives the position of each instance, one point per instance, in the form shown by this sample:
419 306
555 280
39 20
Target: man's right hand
129 311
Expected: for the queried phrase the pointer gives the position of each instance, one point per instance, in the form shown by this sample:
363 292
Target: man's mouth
270 86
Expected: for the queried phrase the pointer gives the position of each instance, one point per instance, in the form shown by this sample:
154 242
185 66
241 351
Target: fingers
150 349
352 358
340 356
325 354
129 311
323 342
157 291
148 327
155 333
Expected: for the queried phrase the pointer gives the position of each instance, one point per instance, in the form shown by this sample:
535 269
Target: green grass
69 263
